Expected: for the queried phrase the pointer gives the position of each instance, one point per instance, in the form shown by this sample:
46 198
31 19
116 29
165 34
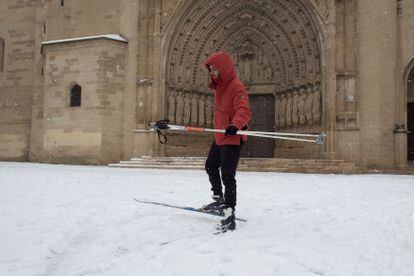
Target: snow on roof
107 36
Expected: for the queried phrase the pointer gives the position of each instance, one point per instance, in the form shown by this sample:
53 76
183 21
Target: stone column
329 77
377 82
129 22
400 129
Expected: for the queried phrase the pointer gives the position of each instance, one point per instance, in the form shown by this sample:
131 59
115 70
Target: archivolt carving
274 45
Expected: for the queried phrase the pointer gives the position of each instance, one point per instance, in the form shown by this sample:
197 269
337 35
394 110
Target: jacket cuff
236 124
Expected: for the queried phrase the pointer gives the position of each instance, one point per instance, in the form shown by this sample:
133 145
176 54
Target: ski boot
228 222
215 207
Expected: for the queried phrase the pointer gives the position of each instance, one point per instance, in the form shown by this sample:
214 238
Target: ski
192 209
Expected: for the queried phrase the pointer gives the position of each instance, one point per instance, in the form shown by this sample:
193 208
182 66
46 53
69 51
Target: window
75 95
62 3
1 54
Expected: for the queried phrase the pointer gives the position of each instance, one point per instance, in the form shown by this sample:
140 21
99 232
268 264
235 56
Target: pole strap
158 126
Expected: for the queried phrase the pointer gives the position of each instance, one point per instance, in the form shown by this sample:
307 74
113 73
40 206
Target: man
232 113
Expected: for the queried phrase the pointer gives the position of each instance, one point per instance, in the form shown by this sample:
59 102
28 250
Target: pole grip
195 129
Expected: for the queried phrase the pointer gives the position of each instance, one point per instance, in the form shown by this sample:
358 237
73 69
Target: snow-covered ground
82 220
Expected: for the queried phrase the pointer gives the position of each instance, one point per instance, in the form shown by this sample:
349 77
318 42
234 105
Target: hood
224 64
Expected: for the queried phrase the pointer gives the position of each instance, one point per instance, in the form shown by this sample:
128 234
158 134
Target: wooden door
263 119
410 128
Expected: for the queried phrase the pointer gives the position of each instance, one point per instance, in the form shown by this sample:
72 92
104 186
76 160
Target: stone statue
295 113
268 74
201 110
194 110
246 61
209 111
289 107
260 71
247 70
301 106
277 107
187 109
283 110
308 105
180 109
171 106
316 105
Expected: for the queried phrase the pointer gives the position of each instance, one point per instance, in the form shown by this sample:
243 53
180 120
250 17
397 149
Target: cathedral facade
81 79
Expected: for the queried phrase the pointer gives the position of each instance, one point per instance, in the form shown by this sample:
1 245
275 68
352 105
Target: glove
231 130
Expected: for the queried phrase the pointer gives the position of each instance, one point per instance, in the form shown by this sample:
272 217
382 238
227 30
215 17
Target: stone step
330 169
245 164
242 160
167 161
157 166
170 158
164 161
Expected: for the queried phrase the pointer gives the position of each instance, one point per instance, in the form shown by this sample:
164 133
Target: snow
82 220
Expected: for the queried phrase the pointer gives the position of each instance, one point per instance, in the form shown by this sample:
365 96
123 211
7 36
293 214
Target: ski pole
274 135
164 125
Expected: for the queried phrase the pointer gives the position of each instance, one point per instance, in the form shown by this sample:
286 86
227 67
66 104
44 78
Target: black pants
225 157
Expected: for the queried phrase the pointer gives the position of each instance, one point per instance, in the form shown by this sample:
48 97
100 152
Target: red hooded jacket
231 102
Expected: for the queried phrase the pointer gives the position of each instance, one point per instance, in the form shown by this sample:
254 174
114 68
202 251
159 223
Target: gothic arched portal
276 49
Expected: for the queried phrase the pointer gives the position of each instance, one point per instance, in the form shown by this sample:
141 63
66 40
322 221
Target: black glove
231 130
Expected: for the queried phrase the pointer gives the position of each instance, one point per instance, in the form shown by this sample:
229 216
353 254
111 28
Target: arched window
75 95
1 54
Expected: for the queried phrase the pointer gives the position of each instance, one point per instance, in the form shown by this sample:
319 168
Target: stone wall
17 18
79 18
91 133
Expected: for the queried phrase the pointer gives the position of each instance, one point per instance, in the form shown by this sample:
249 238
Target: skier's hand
231 130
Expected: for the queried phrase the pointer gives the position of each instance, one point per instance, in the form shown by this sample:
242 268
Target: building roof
106 36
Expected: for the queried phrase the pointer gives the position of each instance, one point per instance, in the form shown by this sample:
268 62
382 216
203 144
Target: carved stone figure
268 74
295 113
209 111
316 106
283 110
187 109
171 106
180 109
278 108
289 107
247 70
194 110
301 106
308 105
201 110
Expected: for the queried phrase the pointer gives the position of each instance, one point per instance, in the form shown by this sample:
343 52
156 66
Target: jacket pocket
222 119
